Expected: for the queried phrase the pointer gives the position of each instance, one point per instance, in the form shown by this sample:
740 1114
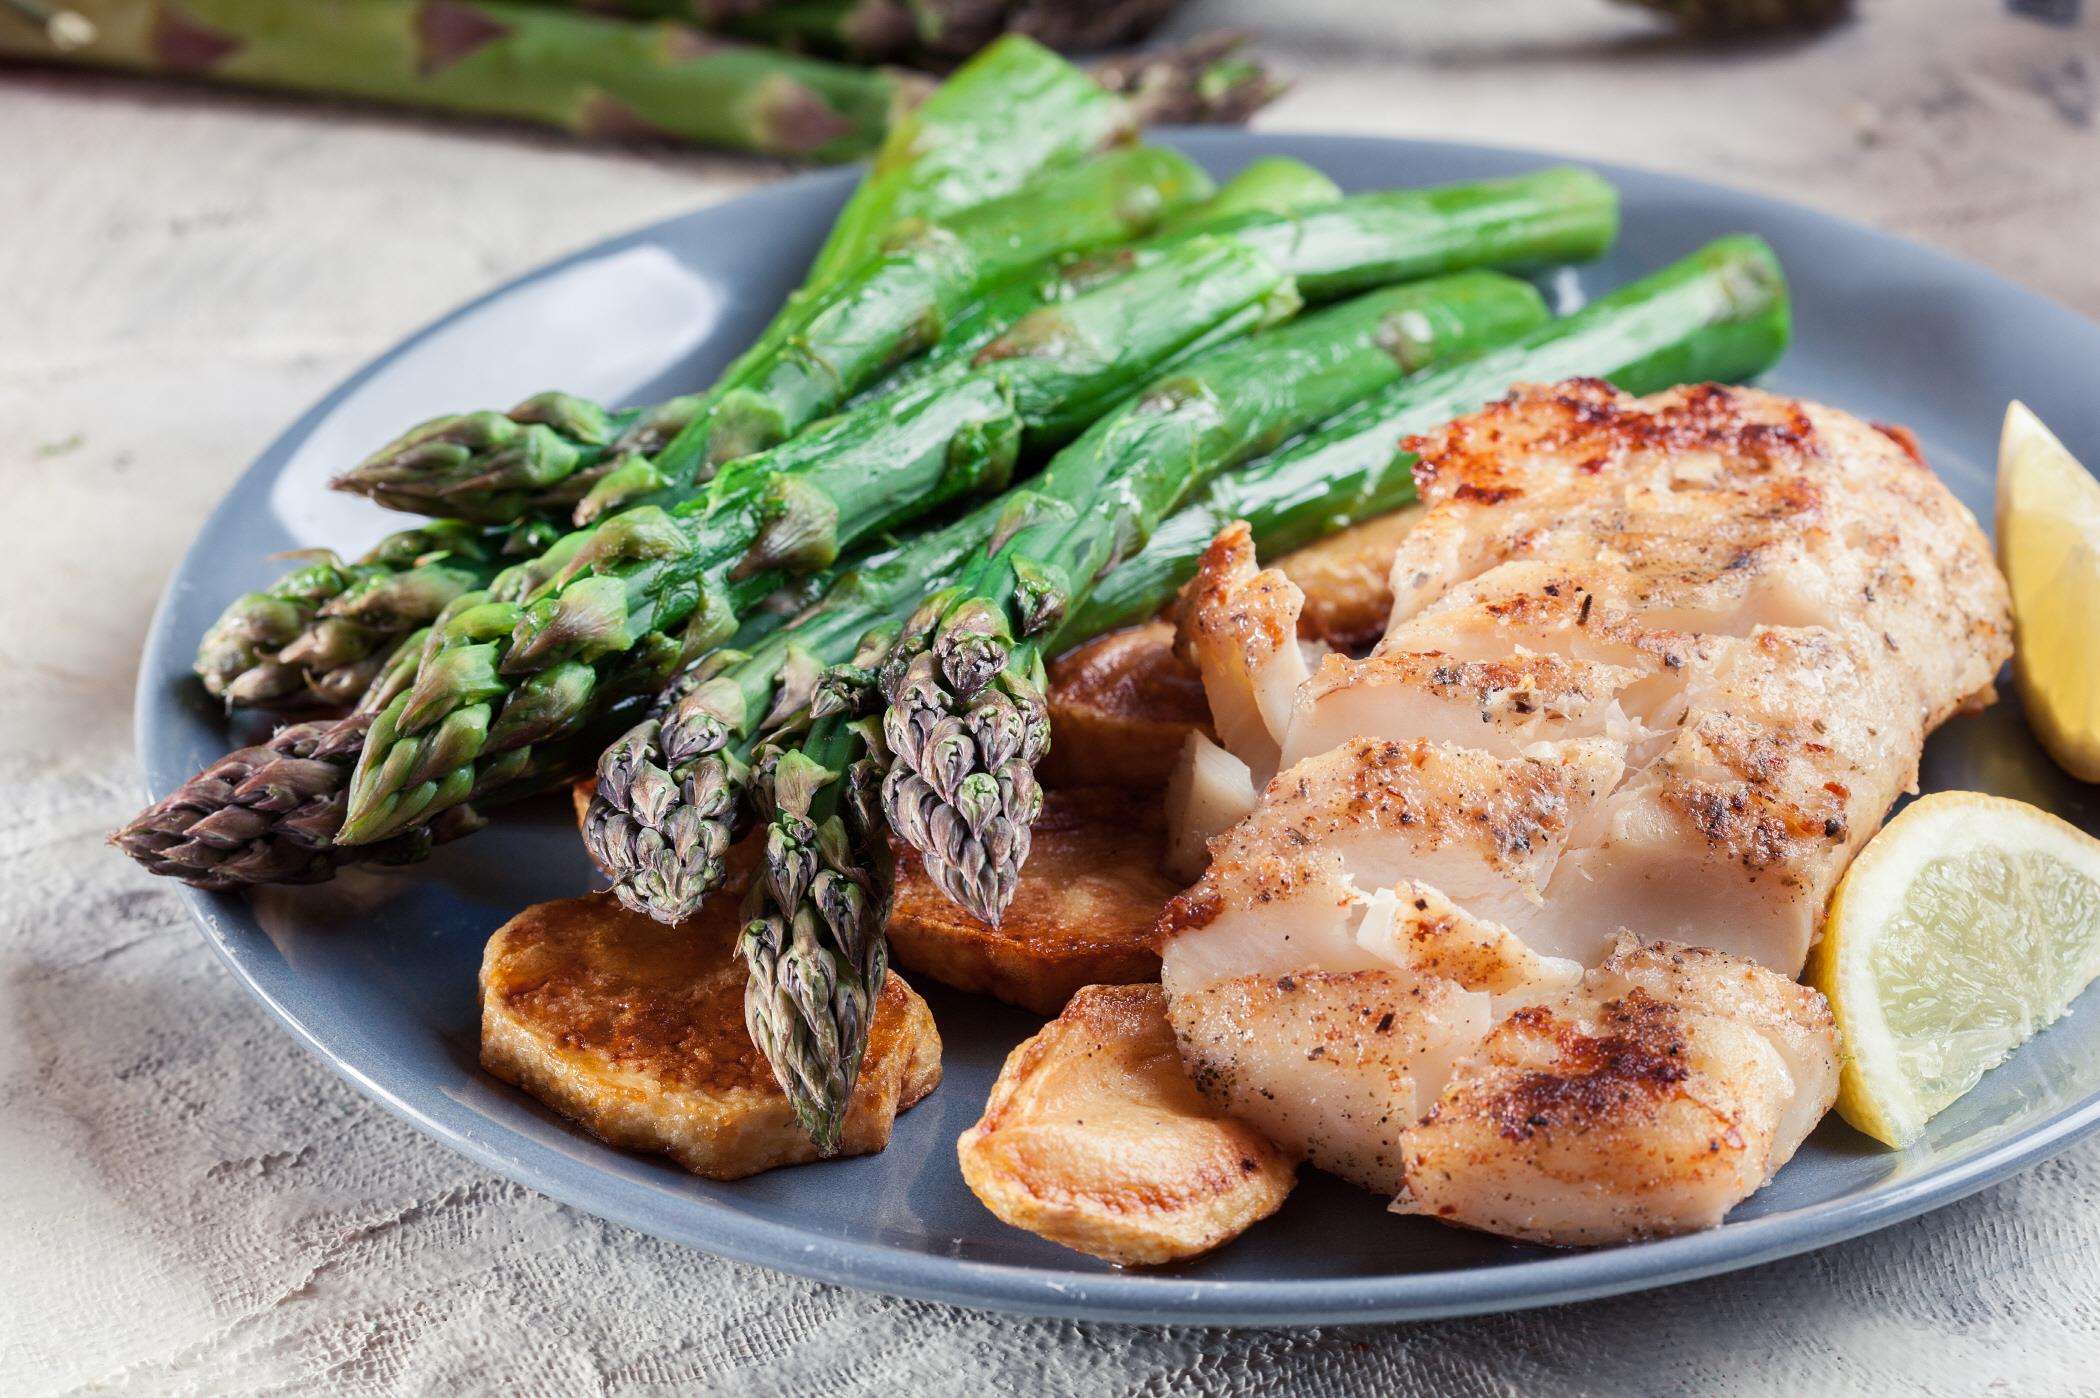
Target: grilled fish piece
636 1032
1760 606
1122 705
1658 664
1666 1089
1094 1138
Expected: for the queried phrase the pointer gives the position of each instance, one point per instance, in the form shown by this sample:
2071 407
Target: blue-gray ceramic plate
376 973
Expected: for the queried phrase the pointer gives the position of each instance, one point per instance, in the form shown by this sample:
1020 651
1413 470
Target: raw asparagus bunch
581 73
1210 79
966 719
906 30
966 722
1741 17
506 672
318 636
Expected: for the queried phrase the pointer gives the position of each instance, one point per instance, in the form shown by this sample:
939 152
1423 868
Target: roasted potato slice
1121 706
636 1031
1094 1138
1089 894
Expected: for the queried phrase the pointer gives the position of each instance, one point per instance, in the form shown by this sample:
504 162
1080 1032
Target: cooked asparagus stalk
1335 249
488 466
822 350
538 458
813 943
966 721
957 433
541 455
1014 110
1275 184
269 813
582 73
506 672
318 636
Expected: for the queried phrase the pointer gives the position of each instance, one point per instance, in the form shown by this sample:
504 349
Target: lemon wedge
2049 549
1966 926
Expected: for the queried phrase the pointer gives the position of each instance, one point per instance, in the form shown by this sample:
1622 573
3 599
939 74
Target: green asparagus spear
813 946
543 454
1012 111
318 635
538 458
816 355
651 577
967 722
1273 184
581 73
553 448
1335 249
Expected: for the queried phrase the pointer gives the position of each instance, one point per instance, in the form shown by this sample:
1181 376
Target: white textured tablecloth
188 1203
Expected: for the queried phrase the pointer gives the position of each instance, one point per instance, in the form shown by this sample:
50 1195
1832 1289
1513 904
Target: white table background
188 1203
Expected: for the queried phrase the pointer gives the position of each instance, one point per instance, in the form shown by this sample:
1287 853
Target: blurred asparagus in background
589 74
1724 17
905 31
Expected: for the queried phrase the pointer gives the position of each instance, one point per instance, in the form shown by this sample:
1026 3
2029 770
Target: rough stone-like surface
191 1205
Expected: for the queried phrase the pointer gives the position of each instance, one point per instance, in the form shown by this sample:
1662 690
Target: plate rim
1132 1297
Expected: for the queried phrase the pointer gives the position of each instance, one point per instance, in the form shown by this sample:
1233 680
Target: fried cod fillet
1655 664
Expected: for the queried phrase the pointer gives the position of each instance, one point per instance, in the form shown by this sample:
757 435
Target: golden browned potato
1094 1138
1089 894
1121 706
1346 580
636 1031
